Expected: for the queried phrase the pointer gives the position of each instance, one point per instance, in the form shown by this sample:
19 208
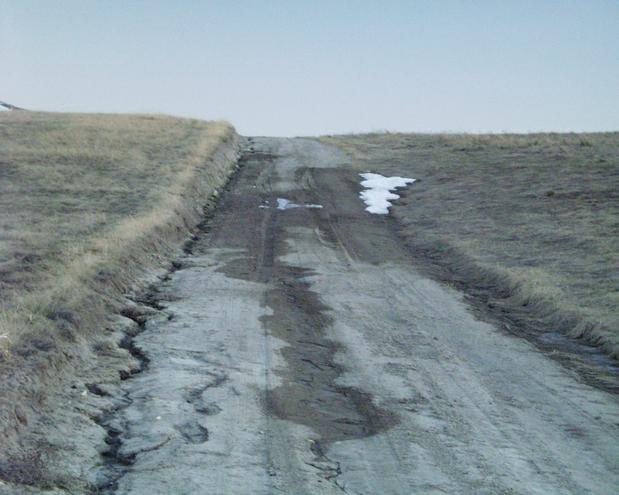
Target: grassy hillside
529 222
79 191
88 205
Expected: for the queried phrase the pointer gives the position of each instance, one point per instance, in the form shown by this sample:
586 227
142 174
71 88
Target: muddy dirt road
300 352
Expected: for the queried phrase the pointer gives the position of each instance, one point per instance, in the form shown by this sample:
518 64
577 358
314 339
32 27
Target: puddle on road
286 204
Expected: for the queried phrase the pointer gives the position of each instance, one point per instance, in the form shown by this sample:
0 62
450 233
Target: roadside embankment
93 207
525 224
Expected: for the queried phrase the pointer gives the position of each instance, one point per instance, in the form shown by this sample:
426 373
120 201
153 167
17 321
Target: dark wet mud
310 395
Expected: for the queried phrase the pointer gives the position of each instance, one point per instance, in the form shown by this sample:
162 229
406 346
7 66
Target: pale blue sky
314 67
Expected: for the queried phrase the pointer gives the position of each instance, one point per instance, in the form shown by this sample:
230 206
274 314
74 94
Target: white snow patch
378 193
285 204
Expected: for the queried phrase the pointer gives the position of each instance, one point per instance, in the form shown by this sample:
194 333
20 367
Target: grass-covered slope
533 219
88 205
80 197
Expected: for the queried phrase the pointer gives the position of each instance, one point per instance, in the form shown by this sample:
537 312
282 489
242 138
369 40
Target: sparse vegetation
533 217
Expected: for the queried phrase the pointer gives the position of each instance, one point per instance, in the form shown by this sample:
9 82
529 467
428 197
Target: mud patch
310 394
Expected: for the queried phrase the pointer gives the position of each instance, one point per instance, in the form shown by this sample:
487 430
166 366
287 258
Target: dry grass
78 193
89 205
534 217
